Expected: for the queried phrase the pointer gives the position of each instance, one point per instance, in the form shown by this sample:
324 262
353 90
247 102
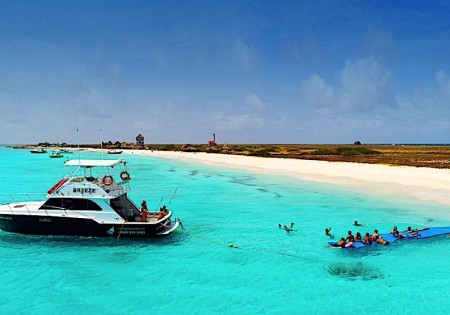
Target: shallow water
196 272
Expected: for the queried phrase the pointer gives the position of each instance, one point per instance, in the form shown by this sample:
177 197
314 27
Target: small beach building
140 140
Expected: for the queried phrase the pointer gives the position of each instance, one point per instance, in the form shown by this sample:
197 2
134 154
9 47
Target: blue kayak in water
429 232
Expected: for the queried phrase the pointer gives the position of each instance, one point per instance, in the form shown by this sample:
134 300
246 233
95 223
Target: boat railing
67 212
19 198
9 198
31 196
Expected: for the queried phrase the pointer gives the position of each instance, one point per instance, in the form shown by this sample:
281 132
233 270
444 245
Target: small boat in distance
38 150
91 200
56 154
115 152
65 151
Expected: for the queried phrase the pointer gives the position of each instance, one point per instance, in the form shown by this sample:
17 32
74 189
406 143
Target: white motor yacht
38 150
86 203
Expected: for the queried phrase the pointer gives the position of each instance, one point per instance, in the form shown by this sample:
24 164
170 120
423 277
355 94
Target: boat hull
136 230
48 225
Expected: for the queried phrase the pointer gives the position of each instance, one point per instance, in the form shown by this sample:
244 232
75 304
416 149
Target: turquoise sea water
196 272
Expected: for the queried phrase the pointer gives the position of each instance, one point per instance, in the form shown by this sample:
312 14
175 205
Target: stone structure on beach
212 143
140 140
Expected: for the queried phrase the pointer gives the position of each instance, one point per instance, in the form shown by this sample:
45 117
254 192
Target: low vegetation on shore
435 156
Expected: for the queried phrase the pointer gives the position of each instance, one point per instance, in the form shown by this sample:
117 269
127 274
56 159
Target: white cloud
254 101
237 121
380 43
363 86
316 92
243 54
443 82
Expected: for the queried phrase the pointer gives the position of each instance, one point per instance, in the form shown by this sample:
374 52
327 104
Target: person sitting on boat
162 212
144 211
358 237
367 239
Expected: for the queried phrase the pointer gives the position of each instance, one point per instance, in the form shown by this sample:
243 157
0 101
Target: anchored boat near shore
87 204
38 150
115 151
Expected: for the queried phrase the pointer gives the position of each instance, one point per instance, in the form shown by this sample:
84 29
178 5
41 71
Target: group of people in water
163 211
369 239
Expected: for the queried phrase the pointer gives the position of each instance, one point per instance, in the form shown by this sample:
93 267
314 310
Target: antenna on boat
159 205
76 121
101 141
170 201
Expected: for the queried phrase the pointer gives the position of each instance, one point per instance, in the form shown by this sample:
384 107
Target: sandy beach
422 184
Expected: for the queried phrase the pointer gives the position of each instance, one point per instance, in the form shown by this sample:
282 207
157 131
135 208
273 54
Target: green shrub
346 151
324 152
262 152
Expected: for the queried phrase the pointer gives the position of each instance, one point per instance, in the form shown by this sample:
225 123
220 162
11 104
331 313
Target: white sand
419 183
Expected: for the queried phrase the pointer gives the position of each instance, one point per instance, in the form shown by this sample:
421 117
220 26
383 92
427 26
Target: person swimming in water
327 232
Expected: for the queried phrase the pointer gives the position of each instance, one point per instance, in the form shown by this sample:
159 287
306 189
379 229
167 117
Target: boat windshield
70 204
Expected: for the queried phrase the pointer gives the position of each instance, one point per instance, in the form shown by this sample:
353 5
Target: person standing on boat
144 211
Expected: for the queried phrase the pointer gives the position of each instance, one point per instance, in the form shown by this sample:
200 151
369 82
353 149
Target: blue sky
249 71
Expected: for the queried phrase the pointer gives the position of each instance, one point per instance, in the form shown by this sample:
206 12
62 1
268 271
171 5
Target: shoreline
422 184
